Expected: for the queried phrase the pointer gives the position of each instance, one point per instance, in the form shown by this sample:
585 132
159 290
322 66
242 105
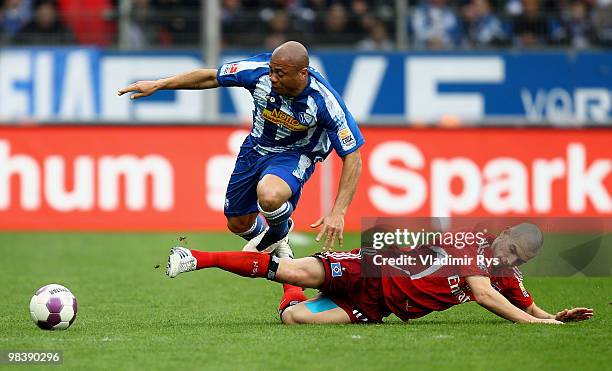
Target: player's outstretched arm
204 78
566 315
333 224
495 302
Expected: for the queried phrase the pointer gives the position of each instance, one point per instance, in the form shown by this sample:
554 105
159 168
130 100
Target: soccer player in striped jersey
298 119
351 294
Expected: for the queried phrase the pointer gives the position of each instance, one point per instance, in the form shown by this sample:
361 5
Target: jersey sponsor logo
346 138
454 283
279 117
344 133
336 269
229 69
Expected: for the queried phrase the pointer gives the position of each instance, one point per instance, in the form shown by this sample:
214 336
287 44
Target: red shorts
360 297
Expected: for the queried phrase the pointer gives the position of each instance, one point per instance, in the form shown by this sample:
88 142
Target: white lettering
122 71
544 173
135 172
443 201
29 176
411 183
587 182
77 100
505 186
424 74
14 69
534 108
43 86
360 94
559 106
592 104
82 195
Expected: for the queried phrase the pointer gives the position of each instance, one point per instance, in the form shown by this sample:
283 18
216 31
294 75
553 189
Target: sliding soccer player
488 273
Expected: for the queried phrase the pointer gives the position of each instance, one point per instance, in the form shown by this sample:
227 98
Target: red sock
243 263
293 295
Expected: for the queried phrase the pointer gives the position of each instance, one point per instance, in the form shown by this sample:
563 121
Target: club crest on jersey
305 119
279 117
336 269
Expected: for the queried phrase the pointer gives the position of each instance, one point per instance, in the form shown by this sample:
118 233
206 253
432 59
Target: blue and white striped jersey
311 123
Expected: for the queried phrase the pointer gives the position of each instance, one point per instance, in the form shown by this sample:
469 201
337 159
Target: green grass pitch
132 316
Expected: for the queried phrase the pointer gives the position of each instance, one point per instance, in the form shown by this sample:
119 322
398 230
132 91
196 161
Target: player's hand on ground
574 314
332 228
140 88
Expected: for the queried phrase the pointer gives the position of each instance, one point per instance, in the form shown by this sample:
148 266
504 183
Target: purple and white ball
53 307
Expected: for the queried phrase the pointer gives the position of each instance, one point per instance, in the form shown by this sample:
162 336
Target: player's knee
270 199
292 316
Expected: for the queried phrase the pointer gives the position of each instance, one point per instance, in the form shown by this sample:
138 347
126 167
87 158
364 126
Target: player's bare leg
272 192
317 310
241 224
297 273
273 195
306 272
247 226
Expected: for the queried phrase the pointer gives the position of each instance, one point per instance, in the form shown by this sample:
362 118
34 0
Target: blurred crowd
149 23
358 24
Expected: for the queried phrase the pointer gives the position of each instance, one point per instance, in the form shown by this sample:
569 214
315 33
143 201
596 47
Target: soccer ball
53 307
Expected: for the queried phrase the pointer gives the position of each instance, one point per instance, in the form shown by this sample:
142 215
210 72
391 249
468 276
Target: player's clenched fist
141 88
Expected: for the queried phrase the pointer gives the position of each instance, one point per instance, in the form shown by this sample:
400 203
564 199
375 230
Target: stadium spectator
378 39
514 8
435 26
278 29
240 23
531 27
179 22
576 28
602 23
302 17
45 28
91 21
483 28
337 28
143 28
14 14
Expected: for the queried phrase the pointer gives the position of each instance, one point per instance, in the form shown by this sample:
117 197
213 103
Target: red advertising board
174 178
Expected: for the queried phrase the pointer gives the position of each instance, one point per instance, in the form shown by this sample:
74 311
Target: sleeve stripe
331 104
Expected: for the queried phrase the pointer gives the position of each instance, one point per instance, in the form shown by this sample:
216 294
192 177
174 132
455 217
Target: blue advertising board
80 85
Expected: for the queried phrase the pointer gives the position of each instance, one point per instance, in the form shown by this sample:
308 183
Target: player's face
287 80
508 251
